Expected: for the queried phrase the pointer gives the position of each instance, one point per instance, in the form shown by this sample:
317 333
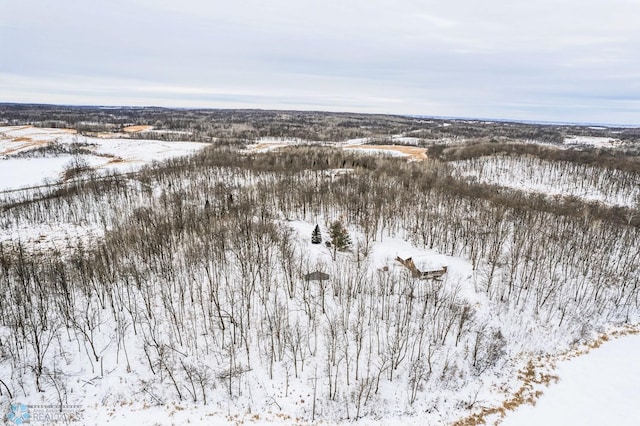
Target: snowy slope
555 178
599 388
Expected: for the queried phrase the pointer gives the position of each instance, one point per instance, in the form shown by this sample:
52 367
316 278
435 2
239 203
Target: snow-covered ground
110 392
377 150
608 186
269 143
24 172
119 155
19 169
266 144
599 388
356 141
594 389
409 140
51 236
594 141
104 398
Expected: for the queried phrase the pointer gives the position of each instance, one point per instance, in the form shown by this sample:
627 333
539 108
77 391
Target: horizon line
311 110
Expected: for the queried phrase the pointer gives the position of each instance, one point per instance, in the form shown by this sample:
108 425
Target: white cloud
526 60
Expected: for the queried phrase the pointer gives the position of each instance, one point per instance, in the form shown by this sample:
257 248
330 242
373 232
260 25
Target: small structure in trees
316 236
433 273
316 276
423 275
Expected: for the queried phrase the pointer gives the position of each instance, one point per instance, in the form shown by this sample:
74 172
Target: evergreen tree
339 236
316 237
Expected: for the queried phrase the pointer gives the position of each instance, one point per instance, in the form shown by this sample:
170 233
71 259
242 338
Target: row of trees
613 187
238 125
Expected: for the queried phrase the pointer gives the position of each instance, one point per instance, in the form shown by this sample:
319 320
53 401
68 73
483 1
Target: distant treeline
247 124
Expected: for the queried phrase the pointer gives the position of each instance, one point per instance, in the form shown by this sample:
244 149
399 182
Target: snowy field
18 169
593 141
362 145
25 172
269 143
396 151
599 388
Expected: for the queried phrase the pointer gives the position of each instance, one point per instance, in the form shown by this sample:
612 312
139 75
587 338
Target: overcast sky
544 60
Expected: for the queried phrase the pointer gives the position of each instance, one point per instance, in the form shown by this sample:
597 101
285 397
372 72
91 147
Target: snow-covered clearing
25 172
355 141
594 141
400 150
410 140
269 143
115 155
598 388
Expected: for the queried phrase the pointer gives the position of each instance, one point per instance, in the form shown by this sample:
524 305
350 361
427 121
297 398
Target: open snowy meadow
31 156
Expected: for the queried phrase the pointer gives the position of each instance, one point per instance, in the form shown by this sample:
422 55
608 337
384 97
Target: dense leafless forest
191 284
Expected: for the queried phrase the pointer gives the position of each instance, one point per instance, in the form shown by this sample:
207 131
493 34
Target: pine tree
316 237
339 236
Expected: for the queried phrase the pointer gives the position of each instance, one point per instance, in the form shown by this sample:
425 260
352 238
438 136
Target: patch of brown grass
22 139
29 143
533 376
136 129
528 393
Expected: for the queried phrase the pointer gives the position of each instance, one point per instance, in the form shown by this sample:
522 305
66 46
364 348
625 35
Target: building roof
316 276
